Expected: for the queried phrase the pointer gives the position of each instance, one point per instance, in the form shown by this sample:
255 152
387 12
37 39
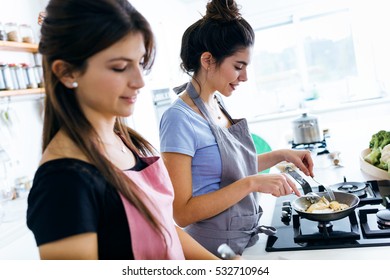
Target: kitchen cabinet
20 47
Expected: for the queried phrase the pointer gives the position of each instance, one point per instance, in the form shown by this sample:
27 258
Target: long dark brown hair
73 31
221 31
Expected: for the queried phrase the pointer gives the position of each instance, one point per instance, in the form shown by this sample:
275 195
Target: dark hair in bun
222 32
222 11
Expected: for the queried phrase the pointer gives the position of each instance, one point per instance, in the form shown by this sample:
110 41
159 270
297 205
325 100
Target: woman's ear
206 60
64 73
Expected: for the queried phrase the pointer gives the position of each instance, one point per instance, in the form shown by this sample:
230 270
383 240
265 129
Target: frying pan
302 203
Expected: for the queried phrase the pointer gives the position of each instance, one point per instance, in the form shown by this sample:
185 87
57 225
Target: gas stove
319 147
360 229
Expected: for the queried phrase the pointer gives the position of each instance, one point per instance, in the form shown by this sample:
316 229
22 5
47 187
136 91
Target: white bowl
371 169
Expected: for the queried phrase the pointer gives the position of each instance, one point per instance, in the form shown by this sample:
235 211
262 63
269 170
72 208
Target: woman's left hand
301 159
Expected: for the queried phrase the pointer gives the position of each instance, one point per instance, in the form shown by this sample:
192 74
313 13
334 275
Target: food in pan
324 206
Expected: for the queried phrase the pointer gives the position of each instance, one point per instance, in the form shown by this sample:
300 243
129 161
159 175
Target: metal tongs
309 194
297 177
328 189
312 197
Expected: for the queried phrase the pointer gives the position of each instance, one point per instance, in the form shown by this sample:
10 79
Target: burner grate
320 147
368 222
326 232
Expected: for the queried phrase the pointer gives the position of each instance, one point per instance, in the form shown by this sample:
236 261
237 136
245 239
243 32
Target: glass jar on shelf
26 33
3 35
38 72
12 30
7 76
29 75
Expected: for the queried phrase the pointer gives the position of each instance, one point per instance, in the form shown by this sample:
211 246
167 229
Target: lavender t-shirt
184 131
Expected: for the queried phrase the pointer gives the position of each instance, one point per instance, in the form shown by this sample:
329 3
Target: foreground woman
100 192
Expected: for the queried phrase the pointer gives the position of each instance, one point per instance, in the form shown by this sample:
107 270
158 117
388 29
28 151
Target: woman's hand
275 184
301 159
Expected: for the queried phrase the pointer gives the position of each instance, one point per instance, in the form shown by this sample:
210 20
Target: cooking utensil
328 189
304 184
313 197
306 130
301 204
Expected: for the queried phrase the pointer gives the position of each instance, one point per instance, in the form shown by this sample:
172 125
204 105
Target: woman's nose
137 78
243 76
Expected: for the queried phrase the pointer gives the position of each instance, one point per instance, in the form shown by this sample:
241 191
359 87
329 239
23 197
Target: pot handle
304 184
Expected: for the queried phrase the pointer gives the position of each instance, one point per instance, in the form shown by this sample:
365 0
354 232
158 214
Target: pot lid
305 118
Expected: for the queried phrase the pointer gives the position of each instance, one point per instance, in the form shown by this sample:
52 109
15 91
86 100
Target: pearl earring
73 85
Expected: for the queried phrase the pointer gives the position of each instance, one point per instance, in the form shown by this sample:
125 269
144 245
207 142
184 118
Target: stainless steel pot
302 203
306 130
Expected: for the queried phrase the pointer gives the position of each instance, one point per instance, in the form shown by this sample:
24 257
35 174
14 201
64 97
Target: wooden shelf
20 92
19 47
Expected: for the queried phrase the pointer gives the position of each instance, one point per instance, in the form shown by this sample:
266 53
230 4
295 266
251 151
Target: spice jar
26 33
17 76
3 35
6 73
12 30
29 75
21 77
38 72
2 82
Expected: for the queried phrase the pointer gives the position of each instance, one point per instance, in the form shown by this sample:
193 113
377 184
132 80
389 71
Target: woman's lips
129 99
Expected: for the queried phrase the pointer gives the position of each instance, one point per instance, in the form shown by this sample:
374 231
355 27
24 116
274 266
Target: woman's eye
119 69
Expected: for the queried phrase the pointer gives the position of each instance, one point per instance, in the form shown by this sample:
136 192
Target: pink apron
146 242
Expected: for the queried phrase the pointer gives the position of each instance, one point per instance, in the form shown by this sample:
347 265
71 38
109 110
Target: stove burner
383 217
348 188
356 188
320 147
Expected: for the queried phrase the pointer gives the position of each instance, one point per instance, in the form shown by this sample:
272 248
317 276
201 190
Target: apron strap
230 234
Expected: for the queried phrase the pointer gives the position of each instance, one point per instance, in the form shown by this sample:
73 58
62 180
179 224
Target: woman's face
110 85
231 72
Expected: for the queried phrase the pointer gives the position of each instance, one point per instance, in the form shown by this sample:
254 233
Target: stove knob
286 207
286 212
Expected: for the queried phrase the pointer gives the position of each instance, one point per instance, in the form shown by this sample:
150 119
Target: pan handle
304 184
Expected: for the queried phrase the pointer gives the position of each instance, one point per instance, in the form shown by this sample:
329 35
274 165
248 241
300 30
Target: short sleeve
62 203
177 133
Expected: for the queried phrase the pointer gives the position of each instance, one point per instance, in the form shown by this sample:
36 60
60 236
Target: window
313 61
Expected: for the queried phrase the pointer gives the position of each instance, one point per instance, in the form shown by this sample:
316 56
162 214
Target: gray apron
237 226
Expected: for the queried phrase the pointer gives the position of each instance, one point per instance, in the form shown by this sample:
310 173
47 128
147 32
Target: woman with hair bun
210 156
101 190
